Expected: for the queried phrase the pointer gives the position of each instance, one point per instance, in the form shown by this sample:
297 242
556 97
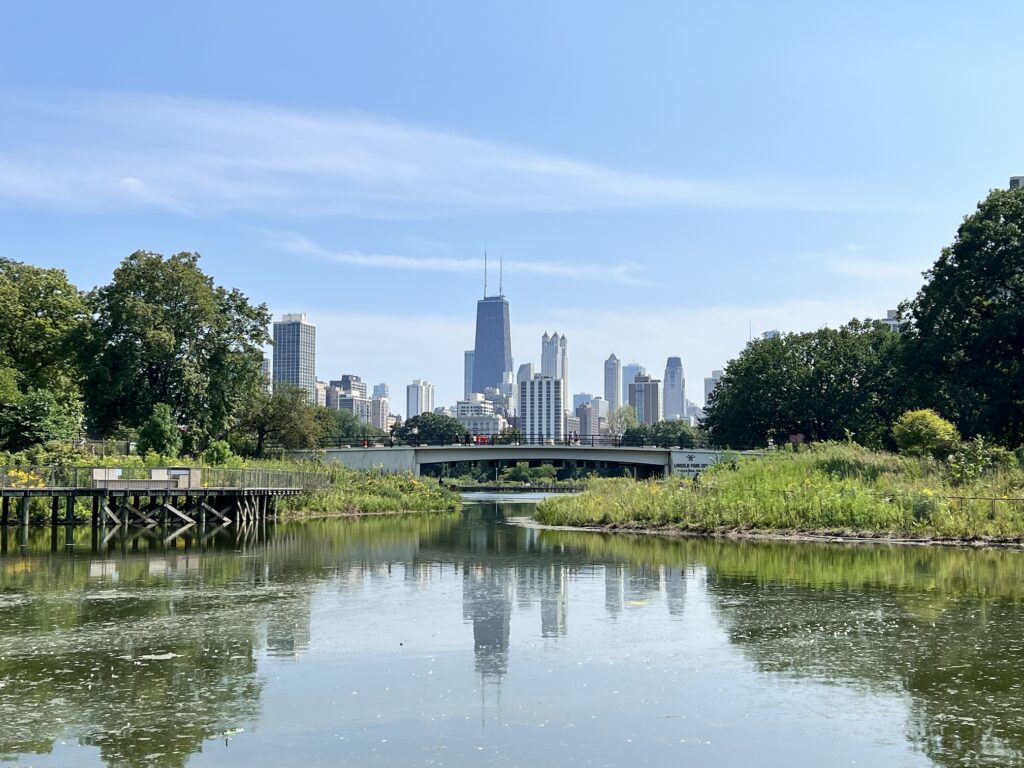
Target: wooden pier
147 497
131 505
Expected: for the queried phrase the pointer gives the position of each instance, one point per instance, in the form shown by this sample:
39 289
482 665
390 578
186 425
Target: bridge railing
184 477
528 439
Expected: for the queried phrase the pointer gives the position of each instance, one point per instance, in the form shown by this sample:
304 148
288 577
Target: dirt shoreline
866 537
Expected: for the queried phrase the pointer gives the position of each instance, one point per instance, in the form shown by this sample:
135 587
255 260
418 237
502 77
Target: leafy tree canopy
829 384
164 333
967 323
160 434
284 418
431 428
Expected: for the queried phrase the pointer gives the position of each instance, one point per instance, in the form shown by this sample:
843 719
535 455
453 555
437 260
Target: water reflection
149 652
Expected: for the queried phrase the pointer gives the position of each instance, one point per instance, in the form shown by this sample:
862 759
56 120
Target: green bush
924 433
160 433
219 454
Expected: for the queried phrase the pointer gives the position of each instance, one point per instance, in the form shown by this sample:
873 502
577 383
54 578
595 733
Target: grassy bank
353 492
829 488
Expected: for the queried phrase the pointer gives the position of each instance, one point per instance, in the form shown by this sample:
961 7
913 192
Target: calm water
463 640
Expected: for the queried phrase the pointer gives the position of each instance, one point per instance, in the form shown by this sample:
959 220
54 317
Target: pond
473 639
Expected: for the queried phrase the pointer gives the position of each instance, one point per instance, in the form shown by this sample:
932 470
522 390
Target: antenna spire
501 274
485 270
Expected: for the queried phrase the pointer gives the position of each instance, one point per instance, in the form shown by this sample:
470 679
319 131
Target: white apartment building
542 409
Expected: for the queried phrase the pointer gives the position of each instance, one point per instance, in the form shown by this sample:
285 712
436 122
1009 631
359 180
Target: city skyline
638 206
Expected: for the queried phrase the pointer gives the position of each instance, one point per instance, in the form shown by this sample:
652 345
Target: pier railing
183 477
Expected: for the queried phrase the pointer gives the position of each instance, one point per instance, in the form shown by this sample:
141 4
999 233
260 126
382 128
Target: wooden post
5 516
95 510
55 511
70 512
25 500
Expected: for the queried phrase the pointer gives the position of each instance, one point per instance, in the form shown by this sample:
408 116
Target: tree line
959 351
161 355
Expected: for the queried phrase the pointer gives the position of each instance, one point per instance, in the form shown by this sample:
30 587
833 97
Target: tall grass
835 488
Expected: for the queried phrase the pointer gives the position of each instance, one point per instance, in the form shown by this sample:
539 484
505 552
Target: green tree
284 418
45 319
164 333
432 429
826 385
509 436
924 433
967 323
344 425
622 419
160 433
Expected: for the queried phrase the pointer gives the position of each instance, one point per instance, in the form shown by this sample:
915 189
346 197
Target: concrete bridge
645 461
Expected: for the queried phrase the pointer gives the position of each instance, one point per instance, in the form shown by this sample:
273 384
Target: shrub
924 433
160 433
218 453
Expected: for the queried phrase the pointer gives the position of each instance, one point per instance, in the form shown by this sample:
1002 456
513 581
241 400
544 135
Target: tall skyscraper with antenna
492 350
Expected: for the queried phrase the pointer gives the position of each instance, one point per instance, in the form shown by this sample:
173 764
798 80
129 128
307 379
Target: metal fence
198 477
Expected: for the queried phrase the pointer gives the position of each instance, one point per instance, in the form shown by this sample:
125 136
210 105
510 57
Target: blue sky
660 177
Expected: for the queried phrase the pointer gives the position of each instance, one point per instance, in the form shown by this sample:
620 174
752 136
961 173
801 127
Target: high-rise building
321 394
419 398
710 383
349 382
542 409
674 396
645 397
590 425
381 390
380 408
359 406
525 373
492 350
295 353
629 373
554 358
1017 182
613 382
467 372
580 398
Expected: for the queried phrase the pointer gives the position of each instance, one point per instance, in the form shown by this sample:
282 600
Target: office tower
467 372
295 353
554 358
675 389
381 390
321 394
1017 182
613 382
589 416
645 397
580 398
525 373
419 398
349 382
359 406
380 409
492 351
629 373
542 409
709 385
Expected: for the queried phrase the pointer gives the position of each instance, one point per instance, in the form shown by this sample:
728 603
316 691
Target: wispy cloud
623 272
202 157
855 261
